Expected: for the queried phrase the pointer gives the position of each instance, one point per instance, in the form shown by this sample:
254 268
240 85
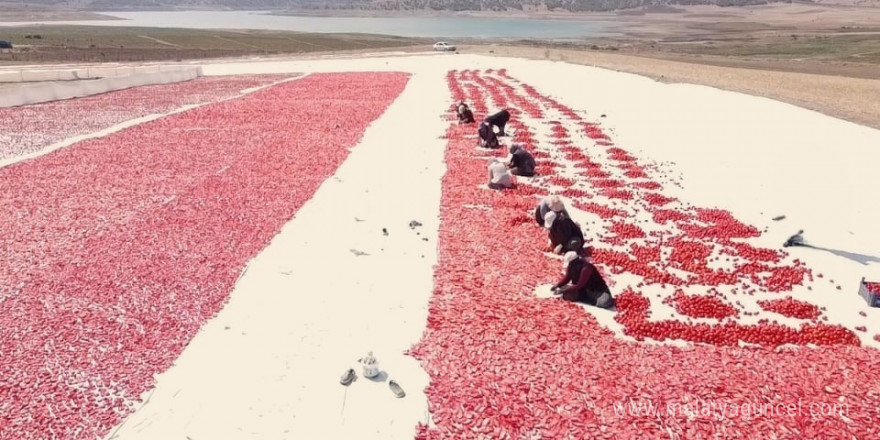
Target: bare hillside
390 5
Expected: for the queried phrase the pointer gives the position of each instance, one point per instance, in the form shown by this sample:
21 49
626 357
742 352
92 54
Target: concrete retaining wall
15 74
53 91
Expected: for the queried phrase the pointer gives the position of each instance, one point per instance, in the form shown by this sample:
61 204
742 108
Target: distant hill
387 5
400 5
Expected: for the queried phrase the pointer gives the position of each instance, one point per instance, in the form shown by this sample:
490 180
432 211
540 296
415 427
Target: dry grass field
821 57
11 14
66 43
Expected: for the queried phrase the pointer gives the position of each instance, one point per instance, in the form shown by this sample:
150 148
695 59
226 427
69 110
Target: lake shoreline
525 15
531 14
440 27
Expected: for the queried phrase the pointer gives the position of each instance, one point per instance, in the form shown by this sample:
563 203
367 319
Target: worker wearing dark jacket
487 136
499 120
465 115
522 163
565 235
587 285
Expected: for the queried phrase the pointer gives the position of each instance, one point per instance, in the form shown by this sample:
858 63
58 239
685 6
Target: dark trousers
466 117
517 172
593 298
487 135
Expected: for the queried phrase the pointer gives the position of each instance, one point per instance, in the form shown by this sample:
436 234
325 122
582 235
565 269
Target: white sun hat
568 258
549 218
555 204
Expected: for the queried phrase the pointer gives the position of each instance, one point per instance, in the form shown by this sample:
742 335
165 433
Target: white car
444 46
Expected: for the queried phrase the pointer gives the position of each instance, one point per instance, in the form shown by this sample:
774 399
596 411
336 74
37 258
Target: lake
426 27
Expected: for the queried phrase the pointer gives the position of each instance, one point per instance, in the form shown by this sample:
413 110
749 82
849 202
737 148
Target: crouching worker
487 136
582 282
522 163
565 235
552 203
499 120
465 115
499 178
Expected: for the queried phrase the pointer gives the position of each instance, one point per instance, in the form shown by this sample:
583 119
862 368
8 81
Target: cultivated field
126 44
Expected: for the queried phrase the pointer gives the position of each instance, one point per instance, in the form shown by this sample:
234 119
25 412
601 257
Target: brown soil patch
132 44
851 98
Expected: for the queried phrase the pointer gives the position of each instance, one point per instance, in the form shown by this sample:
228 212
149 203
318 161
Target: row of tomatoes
696 239
791 307
29 129
505 364
141 238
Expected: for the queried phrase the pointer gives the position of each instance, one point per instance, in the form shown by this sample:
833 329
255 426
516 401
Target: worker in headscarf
499 178
564 233
582 281
465 115
547 204
522 163
499 120
487 136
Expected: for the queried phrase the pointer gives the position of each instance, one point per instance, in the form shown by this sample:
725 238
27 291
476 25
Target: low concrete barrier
14 74
53 91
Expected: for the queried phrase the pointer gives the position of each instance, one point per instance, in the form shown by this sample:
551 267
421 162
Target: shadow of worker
859 258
